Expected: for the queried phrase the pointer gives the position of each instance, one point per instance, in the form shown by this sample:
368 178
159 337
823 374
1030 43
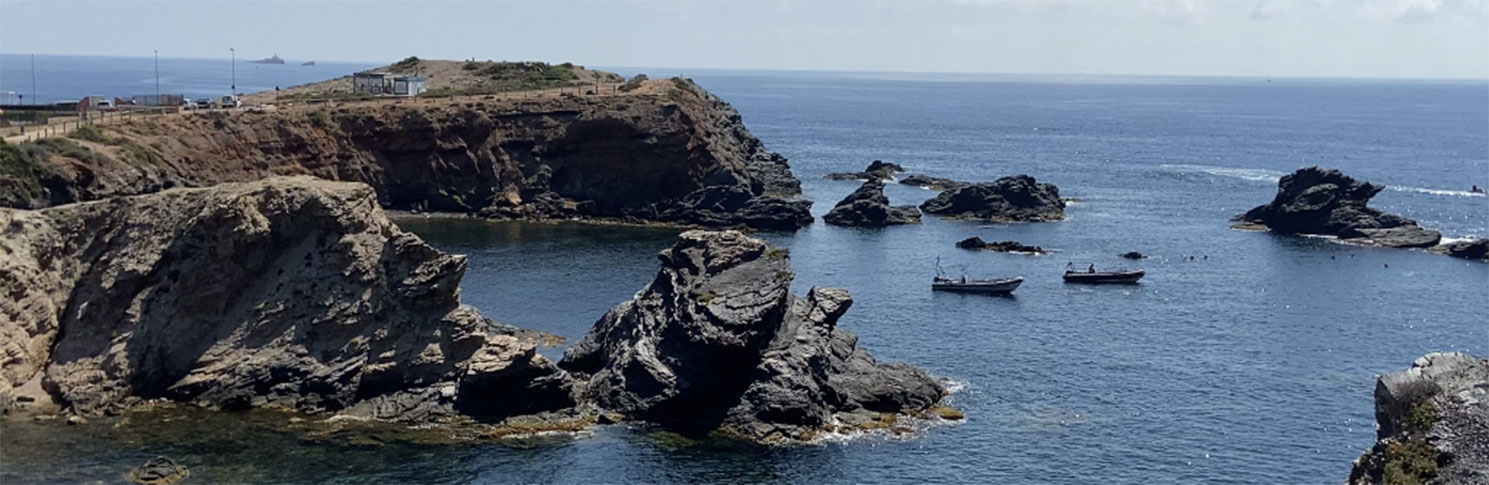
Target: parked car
229 101
203 103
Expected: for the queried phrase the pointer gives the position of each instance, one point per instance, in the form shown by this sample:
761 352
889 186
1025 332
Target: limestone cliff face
287 292
1432 424
663 153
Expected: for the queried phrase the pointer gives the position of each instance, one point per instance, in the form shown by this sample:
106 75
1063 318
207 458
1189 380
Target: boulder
634 83
977 243
1432 424
288 292
1473 249
159 471
717 344
933 183
1131 255
1009 199
868 206
1327 202
877 170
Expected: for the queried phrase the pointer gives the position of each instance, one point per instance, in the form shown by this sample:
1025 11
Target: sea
1242 358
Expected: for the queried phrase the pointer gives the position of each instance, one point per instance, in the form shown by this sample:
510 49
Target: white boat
965 285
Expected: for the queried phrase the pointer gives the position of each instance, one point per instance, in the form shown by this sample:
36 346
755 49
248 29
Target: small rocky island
869 207
976 243
298 293
932 183
877 170
1432 424
1327 202
1018 198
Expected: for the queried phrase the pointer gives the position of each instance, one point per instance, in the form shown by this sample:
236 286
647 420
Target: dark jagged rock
1475 249
933 183
293 293
717 344
1432 424
159 471
1009 199
1327 202
1002 246
868 206
1132 255
877 170
729 205
628 156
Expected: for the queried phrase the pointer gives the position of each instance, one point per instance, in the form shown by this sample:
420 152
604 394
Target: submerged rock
1001 246
1009 199
933 183
877 170
1474 249
1132 255
1327 202
717 344
159 471
1432 424
289 292
868 206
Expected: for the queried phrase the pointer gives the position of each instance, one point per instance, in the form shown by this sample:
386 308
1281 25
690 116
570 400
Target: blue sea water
1254 363
70 78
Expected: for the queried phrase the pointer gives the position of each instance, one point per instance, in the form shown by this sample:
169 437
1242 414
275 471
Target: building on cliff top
384 83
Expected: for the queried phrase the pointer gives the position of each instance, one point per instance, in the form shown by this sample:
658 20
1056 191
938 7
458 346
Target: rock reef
1009 199
1432 424
716 344
1474 249
667 151
877 170
977 243
293 293
1327 202
932 183
868 207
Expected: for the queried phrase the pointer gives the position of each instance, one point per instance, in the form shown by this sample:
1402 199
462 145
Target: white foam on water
1252 174
1422 190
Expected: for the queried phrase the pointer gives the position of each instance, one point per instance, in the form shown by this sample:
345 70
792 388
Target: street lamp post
157 78
235 71
33 79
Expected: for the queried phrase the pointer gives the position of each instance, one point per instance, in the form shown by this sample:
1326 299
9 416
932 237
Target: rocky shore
1327 202
869 207
1432 424
298 293
1018 198
877 170
667 151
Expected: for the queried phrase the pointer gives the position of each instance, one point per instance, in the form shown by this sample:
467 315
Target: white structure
382 83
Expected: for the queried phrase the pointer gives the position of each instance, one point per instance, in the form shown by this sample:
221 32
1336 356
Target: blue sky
1266 38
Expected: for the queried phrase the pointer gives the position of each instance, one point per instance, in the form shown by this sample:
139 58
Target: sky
1424 39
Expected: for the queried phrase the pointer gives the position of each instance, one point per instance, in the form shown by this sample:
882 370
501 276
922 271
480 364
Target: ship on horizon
274 59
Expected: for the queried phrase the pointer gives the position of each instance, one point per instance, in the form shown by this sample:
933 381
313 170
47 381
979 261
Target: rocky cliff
717 344
1327 202
1432 424
289 292
668 151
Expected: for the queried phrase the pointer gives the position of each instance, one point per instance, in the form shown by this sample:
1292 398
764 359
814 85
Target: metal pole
235 70
157 77
33 79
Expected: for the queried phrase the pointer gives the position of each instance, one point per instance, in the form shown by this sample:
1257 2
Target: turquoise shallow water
1253 364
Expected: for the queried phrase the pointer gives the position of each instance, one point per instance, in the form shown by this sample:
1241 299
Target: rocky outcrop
1131 255
1432 424
1473 249
289 292
1327 202
868 207
932 183
717 344
1009 199
877 170
159 471
1002 246
648 154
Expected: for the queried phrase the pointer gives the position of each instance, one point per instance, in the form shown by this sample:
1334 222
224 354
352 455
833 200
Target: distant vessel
308 63
271 60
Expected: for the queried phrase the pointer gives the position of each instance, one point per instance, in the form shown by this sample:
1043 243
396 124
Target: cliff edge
1432 424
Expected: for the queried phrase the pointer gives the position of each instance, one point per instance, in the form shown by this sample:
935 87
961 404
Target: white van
229 101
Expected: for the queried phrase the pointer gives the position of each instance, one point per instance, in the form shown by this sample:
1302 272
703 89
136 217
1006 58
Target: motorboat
966 285
1103 277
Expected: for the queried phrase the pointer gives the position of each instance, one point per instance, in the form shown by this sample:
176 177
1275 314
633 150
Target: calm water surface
1253 364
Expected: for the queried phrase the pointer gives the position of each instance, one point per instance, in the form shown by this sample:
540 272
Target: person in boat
1092 269
1476 190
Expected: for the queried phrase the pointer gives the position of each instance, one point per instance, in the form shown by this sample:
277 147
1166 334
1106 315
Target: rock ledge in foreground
1433 424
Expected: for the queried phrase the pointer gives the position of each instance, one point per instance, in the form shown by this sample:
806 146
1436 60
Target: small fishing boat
964 285
1103 277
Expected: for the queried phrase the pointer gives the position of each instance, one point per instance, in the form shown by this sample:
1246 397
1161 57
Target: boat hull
994 287
1117 278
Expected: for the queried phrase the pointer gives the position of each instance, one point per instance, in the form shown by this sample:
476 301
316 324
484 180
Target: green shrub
409 62
89 133
318 119
1421 416
22 169
1409 463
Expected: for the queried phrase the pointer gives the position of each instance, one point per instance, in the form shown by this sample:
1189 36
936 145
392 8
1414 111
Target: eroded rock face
1009 199
1433 424
933 183
643 155
868 206
288 292
1327 202
877 170
716 343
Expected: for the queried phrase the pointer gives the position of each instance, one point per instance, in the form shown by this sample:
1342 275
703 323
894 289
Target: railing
62 125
